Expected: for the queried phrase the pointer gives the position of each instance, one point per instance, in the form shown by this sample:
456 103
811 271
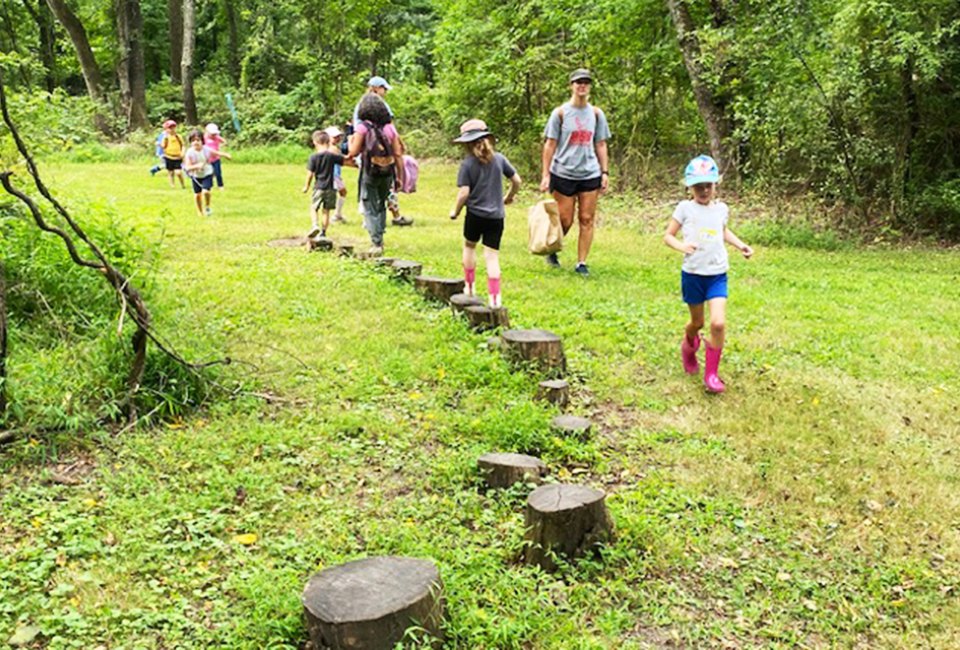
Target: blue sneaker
553 260
582 269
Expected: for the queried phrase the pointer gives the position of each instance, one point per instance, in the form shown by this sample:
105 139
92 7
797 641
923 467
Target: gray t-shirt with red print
577 135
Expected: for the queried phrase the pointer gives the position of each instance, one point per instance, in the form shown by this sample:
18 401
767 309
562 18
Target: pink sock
493 286
469 275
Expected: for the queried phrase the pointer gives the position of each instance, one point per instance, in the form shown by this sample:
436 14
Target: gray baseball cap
580 73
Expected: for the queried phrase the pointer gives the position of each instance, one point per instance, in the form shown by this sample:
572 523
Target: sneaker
338 218
208 211
402 221
375 251
313 232
553 260
581 269
323 233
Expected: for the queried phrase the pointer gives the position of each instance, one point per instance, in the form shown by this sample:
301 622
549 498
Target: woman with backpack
376 140
575 163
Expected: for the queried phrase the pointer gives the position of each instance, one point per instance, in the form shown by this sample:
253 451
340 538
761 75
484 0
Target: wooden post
571 426
555 391
320 244
540 347
345 250
460 301
487 318
368 604
564 520
384 261
503 470
407 269
441 289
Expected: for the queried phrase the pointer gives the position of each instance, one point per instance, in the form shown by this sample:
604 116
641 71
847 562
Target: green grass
814 504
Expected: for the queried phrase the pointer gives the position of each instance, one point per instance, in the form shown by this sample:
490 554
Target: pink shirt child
213 143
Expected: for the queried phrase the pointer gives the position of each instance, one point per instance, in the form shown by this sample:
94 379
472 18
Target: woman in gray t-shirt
575 164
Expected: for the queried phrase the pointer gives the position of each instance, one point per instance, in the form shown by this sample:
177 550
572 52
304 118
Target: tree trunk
47 37
3 343
78 35
233 42
175 23
711 111
137 117
186 62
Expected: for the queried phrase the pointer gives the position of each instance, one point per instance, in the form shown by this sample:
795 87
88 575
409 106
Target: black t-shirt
322 164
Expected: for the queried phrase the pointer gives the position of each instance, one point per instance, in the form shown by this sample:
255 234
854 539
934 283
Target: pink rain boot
710 379
688 352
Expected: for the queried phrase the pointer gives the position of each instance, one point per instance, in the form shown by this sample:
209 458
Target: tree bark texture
441 289
132 72
233 41
175 24
711 111
78 36
3 343
186 63
483 318
565 521
47 38
540 347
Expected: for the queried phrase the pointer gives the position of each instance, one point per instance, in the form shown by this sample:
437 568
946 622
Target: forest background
853 103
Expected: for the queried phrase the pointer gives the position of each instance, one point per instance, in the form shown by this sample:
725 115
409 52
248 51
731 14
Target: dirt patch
287 242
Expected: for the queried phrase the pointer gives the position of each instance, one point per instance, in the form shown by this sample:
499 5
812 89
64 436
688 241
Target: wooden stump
441 289
571 426
564 520
368 604
406 269
487 318
555 391
503 470
345 250
384 261
460 301
494 343
320 244
540 347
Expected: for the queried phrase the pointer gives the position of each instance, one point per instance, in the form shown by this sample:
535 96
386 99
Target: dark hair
373 109
196 134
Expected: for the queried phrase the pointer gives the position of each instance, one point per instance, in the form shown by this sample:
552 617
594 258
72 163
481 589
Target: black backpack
376 145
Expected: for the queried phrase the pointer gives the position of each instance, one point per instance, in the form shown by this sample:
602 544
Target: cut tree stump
345 250
571 426
487 318
555 391
384 261
369 604
407 269
460 301
543 348
494 343
320 244
503 470
441 289
564 520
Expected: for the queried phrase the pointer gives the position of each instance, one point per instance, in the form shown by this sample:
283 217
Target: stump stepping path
320 244
483 319
555 391
406 269
572 426
460 301
503 470
368 604
540 347
568 521
442 289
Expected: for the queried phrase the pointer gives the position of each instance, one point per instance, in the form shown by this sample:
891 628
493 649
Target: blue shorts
204 184
698 289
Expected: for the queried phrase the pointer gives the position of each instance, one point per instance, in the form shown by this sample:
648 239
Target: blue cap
702 169
379 82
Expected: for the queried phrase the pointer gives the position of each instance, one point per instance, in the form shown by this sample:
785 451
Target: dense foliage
853 101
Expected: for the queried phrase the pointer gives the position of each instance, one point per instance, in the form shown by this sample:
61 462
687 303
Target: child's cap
472 130
702 169
169 123
333 131
212 129
379 82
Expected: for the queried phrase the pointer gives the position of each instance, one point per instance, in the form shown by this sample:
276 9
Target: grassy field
815 504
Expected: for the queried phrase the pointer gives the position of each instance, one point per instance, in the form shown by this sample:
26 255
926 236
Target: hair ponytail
482 149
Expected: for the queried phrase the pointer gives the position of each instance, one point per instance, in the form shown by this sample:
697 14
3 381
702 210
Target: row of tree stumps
371 604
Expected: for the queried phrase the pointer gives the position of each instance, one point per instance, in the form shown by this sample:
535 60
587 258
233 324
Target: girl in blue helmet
703 224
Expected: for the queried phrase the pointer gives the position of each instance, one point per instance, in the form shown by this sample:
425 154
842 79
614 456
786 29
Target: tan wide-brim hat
333 131
472 130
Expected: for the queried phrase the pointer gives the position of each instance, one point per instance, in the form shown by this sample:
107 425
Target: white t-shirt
704 226
194 157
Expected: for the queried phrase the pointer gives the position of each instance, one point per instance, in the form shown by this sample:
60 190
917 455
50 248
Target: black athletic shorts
172 163
569 187
489 230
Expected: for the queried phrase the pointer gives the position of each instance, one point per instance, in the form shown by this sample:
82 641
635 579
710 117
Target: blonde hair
482 149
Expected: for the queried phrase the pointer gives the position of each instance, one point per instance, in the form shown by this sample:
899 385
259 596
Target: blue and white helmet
702 169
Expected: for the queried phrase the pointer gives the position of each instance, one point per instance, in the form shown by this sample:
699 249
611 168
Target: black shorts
172 163
204 184
489 230
569 187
